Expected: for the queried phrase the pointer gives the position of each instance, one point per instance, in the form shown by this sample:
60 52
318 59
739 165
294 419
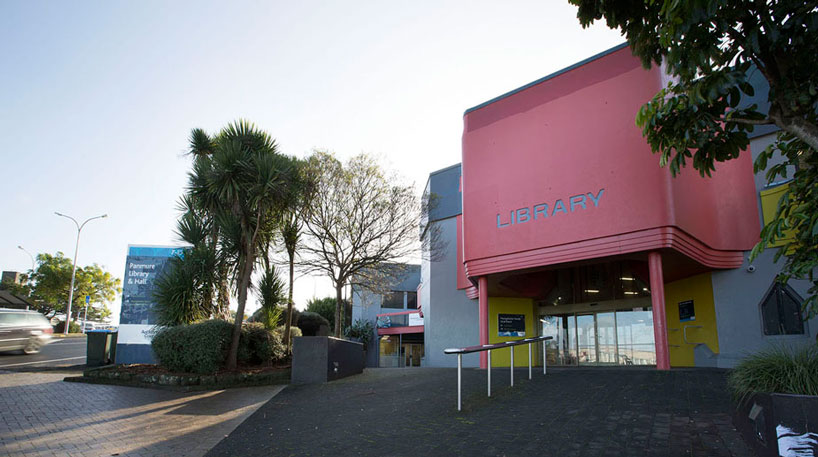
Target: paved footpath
569 412
40 415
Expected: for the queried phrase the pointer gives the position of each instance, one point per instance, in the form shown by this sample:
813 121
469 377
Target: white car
23 330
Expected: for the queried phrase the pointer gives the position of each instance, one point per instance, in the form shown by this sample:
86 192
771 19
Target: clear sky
97 98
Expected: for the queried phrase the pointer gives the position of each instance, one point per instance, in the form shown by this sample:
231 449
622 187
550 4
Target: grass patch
776 370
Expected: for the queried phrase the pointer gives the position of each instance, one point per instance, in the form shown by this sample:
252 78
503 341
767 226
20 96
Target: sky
97 99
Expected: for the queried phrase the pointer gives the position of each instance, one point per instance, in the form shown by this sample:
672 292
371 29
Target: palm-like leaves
183 292
271 292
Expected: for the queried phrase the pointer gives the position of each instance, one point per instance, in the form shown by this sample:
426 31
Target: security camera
751 268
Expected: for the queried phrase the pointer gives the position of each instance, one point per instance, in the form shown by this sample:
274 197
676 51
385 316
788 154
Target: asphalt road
60 353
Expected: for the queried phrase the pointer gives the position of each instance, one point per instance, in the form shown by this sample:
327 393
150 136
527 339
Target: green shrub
73 327
310 323
202 347
777 370
194 348
362 330
294 332
257 345
323 306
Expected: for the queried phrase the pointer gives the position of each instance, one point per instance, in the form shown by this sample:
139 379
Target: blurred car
23 330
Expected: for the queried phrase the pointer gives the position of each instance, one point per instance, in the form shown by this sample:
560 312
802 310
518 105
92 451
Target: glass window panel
606 338
563 292
596 283
552 326
631 284
634 331
789 308
781 312
393 300
586 339
570 325
389 356
411 300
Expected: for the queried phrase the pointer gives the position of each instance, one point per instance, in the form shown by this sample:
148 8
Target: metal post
74 270
512 365
544 359
459 366
529 360
488 353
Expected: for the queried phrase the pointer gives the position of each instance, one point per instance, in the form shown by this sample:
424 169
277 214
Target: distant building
394 308
12 276
9 300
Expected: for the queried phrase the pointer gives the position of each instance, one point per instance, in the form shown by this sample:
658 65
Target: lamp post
74 270
29 254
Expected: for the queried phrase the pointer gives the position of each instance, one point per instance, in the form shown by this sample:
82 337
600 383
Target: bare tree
360 217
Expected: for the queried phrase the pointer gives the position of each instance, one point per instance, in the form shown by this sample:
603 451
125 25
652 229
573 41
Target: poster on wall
511 324
143 265
686 311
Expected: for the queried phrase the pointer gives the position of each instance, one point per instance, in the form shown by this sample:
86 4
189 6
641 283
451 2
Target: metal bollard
544 359
459 366
488 353
512 365
529 360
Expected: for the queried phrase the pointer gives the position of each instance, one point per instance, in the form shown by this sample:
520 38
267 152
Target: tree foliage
241 184
326 308
711 48
360 217
47 287
271 293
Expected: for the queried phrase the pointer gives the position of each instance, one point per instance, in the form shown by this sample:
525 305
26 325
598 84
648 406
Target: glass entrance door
606 338
623 337
586 339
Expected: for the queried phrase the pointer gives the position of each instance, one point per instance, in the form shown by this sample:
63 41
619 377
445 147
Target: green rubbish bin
101 349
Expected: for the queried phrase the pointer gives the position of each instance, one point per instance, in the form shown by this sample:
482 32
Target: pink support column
657 299
483 319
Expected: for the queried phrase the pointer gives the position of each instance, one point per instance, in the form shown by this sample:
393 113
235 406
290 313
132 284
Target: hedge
310 323
202 347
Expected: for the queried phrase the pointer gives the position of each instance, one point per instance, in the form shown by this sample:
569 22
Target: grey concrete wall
366 305
738 294
318 359
449 317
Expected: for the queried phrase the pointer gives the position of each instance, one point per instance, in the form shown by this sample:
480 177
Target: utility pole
74 270
29 254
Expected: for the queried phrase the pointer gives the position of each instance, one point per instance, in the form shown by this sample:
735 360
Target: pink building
561 222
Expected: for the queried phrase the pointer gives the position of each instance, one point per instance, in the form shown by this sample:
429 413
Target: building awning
9 300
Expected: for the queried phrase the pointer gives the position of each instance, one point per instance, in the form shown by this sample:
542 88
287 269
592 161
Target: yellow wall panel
703 329
503 305
769 206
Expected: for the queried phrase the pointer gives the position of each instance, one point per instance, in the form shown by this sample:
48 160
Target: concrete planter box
779 424
318 359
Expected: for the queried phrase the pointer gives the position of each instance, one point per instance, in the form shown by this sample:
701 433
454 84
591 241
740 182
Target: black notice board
511 324
686 311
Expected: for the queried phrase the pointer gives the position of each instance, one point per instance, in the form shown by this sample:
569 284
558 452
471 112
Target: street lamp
74 270
29 254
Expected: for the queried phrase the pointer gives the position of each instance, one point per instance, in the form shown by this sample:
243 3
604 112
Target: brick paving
569 412
40 415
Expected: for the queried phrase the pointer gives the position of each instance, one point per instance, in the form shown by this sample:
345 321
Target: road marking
42 361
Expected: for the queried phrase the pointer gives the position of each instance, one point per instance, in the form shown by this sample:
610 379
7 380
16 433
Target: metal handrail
491 347
684 333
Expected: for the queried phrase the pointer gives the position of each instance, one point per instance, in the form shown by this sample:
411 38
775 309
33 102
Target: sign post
85 319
